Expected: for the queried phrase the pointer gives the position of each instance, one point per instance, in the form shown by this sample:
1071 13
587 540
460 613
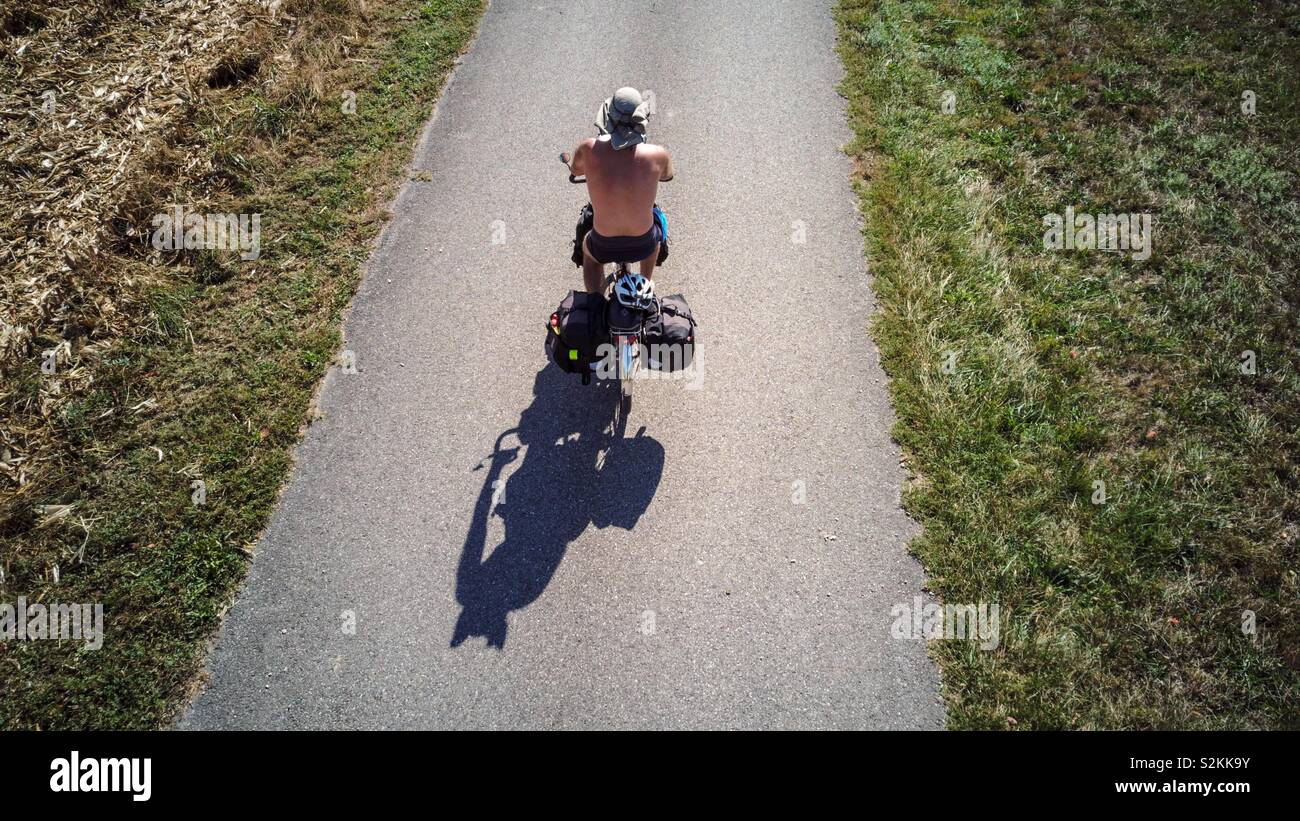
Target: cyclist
623 174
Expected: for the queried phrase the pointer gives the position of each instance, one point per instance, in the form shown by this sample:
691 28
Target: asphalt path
472 539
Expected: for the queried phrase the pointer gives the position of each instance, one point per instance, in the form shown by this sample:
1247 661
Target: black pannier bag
670 337
575 331
585 221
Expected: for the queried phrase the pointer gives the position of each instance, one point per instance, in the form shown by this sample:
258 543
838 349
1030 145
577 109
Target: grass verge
217 383
1105 446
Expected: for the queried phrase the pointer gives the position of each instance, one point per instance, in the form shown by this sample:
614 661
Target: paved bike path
660 575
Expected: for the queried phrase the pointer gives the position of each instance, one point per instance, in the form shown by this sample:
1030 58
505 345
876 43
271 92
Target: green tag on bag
573 353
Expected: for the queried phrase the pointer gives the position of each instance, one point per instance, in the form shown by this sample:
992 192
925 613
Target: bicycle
626 315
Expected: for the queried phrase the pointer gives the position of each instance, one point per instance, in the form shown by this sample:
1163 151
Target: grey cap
623 118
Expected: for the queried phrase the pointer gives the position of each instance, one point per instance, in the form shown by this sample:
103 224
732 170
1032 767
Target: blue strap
662 219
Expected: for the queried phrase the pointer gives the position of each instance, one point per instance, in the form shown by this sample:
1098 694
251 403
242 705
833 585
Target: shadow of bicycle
578 468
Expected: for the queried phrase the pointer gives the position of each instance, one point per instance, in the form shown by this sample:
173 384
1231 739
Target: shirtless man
623 174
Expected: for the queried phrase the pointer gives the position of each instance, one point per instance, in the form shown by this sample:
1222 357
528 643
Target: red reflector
555 320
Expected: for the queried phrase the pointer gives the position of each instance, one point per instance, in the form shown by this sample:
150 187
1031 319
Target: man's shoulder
655 152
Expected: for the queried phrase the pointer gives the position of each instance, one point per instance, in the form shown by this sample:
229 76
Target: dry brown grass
97 102
180 365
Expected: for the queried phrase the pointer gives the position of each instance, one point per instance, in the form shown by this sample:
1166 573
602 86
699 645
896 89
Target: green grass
1076 367
230 362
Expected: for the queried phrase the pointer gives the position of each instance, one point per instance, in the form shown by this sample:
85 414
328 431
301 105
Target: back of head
623 117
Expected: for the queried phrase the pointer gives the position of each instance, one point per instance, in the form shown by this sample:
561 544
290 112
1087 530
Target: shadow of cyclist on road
577 469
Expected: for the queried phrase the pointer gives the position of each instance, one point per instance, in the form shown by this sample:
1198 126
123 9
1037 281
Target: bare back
622 184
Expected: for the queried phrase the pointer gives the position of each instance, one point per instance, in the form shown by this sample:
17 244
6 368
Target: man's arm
668 171
578 165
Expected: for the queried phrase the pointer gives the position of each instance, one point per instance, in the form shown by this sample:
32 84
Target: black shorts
623 249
